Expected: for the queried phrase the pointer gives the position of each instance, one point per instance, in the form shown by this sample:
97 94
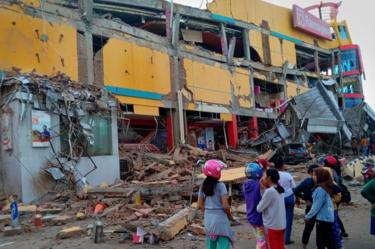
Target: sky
361 22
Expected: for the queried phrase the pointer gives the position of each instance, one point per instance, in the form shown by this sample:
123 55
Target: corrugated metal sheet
370 112
319 107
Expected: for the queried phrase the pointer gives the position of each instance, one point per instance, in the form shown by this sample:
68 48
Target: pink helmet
212 168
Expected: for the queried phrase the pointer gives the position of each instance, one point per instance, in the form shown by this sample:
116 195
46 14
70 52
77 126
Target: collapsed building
210 78
58 127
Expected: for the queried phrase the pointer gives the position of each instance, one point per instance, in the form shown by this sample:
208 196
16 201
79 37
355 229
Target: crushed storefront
310 118
56 131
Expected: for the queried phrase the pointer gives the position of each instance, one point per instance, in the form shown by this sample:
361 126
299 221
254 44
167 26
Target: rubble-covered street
354 216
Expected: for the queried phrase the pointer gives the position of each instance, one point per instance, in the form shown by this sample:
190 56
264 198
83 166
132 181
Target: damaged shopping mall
86 83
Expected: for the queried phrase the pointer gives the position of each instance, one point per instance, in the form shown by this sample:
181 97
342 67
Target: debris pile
174 167
76 105
156 197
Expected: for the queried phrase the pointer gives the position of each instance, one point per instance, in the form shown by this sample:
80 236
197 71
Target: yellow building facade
139 65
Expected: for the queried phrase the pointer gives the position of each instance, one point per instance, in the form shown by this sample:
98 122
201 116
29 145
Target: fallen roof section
318 107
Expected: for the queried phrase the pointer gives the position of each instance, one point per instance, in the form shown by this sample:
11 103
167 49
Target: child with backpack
252 194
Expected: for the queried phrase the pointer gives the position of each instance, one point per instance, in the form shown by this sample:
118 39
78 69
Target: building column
233 132
253 128
170 137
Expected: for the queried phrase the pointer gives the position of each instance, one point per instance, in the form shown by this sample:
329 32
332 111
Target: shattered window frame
94 141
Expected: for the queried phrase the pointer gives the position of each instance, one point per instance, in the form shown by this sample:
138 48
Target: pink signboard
307 22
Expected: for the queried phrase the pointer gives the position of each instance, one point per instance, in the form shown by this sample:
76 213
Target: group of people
364 146
270 194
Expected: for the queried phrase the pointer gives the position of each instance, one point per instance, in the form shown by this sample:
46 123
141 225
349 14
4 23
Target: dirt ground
356 219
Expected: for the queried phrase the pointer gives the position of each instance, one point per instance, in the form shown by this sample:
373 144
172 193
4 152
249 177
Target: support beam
176 30
252 86
317 66
253 128
333 65
231 50
246 44
233 132
90 57
224 41
169 123
86 10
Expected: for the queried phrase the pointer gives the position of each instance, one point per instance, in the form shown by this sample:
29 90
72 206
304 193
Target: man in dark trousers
304 191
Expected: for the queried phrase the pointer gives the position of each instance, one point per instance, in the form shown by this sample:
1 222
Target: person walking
304 191
272 207
213 199
287 182
252 194
368 192
322 210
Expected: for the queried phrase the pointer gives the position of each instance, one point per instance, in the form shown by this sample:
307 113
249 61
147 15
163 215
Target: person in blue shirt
304 191
322 209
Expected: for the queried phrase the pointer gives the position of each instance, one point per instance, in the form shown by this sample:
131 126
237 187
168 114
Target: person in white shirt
272 208
287 182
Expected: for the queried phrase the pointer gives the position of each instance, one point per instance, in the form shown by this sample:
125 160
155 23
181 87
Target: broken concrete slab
197 229
71 232
12 231
172 226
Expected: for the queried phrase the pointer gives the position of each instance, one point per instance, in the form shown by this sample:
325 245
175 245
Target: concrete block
11 231
197 229
169 228
70 232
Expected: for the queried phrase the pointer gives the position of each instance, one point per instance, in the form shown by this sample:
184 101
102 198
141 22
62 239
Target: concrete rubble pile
157 197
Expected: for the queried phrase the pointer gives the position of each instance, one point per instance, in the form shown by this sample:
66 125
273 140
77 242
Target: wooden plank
229 176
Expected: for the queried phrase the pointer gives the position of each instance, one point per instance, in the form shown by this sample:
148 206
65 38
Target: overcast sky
361 20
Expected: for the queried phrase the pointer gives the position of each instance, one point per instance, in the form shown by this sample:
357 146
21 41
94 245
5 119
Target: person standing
272 207
213 199
251 191
331 164
372 144
304 191
364 145
322 210
287 182
354 144
368 192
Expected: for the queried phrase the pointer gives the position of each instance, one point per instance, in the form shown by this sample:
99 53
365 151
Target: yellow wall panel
21 45
129 65
139 101
294 90
256 42
209 84
242 88
289 50
276 52
279 18
226 117
146 110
